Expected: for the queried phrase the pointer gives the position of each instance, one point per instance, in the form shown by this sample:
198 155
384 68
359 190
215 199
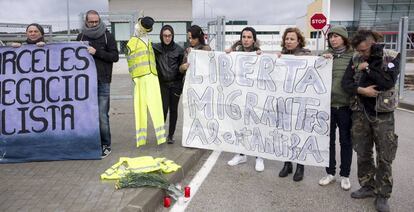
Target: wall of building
315 7
342 10
160 10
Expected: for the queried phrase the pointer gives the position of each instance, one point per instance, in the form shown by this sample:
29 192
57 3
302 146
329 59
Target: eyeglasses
93 22
167 36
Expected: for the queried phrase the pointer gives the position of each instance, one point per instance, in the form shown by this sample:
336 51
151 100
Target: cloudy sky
55 11
47 11
255 11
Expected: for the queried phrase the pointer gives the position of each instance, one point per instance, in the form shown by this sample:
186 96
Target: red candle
167 201
187 191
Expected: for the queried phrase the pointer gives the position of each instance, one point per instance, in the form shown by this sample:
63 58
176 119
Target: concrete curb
405 105
150 199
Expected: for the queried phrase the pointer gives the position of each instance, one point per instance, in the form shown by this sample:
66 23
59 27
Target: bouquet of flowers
152 179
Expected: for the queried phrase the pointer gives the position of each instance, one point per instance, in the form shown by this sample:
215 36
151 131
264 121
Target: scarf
94 32
339 50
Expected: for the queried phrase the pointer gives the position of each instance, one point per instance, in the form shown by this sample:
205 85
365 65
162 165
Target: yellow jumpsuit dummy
147 95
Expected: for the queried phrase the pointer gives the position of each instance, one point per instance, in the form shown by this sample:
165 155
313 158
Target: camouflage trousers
379 131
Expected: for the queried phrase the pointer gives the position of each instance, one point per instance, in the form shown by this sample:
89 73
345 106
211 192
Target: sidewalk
407 98
76 185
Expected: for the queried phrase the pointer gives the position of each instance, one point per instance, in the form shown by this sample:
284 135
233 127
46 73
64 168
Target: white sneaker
237 159
259 164
327 180
345 183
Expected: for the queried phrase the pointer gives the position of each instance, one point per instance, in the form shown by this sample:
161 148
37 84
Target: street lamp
67 13
211 9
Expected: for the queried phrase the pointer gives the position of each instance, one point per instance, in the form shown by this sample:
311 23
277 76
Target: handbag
386 101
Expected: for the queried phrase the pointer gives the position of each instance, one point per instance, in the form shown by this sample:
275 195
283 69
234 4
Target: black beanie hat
147 23
40 28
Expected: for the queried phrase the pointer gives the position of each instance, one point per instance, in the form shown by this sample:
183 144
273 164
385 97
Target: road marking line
198 180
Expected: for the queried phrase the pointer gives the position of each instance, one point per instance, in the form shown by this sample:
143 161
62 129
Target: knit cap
340 30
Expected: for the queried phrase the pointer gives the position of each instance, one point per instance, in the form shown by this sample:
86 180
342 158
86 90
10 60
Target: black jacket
106 54
168 59
382 71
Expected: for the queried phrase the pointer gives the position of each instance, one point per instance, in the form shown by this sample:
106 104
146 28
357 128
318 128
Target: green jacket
339 97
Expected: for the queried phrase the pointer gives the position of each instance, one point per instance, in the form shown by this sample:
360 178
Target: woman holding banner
247 43
341 52
197 41
293 43
35 35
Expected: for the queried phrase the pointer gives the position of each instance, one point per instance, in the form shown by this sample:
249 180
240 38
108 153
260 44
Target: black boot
381 204
298 176
287 169
363 192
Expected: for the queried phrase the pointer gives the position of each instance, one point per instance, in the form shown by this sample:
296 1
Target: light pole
204 10
211 10
67 13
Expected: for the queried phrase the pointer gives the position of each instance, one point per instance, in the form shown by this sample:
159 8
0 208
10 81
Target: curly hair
363 35
301 39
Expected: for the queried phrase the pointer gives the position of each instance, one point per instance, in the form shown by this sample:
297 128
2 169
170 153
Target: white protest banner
260 105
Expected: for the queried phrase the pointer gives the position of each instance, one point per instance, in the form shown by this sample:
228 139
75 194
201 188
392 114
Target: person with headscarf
143 71
34 35
169 56
102 46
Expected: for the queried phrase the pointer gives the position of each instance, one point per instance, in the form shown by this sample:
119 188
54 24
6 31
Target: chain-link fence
122 26
15 32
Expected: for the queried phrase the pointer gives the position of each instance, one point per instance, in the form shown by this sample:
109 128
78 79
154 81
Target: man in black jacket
102 46
169 57
372 72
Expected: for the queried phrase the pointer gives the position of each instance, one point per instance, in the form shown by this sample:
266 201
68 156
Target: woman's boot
298 176
287 169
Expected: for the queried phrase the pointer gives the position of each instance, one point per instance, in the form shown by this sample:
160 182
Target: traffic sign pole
318 21
317 41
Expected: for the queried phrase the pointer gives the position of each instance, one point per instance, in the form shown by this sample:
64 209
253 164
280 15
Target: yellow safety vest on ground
143 164
141 59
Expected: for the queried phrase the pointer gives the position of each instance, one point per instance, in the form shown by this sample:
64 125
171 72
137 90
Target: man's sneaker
381 204
259 164
363 192
170 140
328 179
237 159
106 150
345 183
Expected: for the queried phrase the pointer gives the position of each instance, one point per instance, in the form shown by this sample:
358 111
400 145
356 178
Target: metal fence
16 32
120 24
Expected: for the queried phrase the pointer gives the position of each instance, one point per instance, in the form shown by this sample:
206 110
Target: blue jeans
103 103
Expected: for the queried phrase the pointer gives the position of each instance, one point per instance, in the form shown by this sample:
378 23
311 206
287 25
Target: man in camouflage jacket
372 70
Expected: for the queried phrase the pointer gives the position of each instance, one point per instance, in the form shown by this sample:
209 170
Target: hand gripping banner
260 105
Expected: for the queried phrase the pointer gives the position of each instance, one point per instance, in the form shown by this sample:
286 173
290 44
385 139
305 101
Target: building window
314 34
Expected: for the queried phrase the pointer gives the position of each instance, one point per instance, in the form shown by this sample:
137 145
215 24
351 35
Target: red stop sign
318 21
